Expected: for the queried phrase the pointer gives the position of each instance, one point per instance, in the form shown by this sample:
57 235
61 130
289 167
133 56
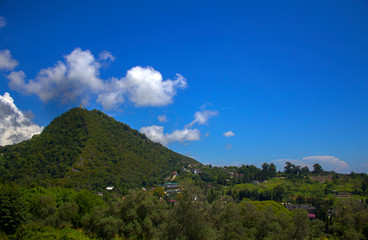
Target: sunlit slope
88 149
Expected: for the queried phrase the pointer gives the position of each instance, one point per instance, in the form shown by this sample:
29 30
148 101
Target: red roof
311 215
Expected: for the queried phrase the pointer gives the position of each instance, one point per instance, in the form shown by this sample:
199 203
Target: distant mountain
88 149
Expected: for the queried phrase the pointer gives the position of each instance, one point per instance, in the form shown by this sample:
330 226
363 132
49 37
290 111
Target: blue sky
286 80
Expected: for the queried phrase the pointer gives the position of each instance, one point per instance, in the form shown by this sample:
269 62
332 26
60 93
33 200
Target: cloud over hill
15 126
77 79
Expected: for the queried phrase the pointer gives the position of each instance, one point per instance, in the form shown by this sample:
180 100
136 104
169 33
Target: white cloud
147 88
77 79
144 86
201 117
229 134
156 134
113 94
65 82
15 126
6 60
162 118
184 135
3 22
106 56
328 163
17 80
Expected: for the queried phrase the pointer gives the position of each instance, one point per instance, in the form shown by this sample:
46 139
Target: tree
278 193
364 186
13 208
188 218
265 171
317 169
265 167
272 170
301 223
304 170
349 219
68 212
159 191
291 169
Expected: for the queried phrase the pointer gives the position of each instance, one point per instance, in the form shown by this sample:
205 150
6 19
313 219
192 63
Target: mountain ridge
88 149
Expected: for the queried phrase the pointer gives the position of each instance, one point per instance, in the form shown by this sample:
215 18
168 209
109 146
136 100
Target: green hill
88 149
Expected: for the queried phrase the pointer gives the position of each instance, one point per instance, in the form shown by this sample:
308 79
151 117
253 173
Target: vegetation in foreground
196 213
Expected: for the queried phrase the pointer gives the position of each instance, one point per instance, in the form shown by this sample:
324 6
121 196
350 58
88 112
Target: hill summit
88 149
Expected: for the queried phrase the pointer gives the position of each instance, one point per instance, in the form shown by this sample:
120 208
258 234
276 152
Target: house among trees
239 175
312 216
308 207
110 188
171 185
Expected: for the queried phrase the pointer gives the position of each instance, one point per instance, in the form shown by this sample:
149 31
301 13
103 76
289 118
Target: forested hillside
88 149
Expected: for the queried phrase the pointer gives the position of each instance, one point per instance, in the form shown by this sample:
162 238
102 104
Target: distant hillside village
170 188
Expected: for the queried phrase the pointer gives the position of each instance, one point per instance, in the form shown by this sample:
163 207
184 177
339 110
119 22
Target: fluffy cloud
144 86
162 118
3 22
184 135
156 134
15 126
6 60
77 79
229 134
66 82
329 163
201 117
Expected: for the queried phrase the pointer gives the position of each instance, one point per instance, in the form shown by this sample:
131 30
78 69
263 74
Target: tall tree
272 169
304 170
317 169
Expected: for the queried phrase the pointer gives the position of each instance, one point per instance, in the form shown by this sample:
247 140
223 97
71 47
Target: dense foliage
61 213
88 149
